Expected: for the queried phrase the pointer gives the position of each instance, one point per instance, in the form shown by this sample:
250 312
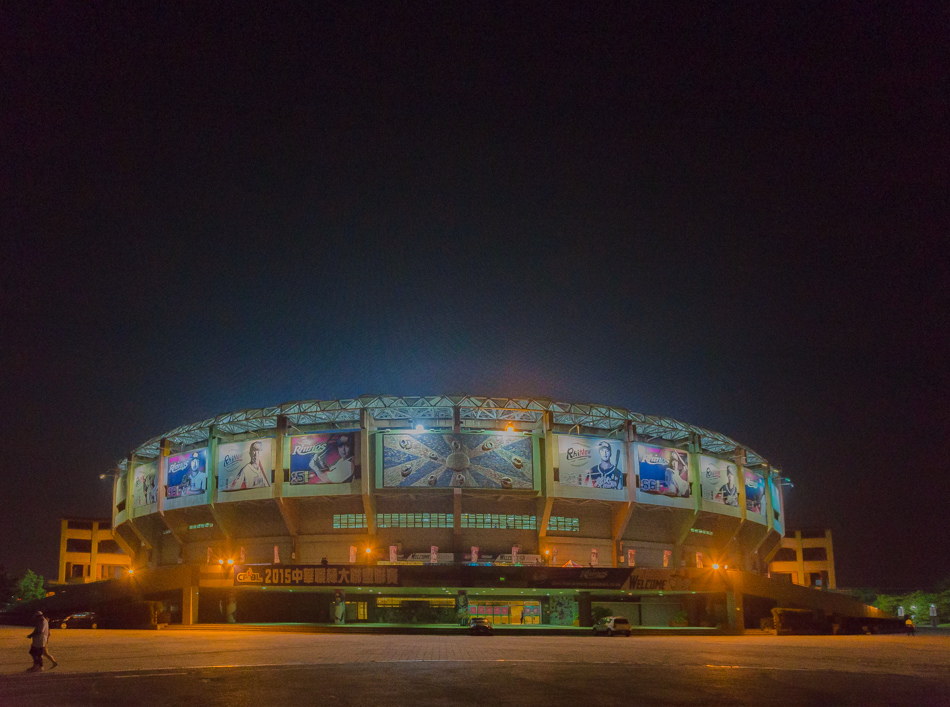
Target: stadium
438 509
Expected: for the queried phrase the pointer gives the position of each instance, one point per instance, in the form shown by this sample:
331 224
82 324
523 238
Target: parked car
612 625
80 619
480 627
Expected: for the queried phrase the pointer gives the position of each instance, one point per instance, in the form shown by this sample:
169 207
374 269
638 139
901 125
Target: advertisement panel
325 458
719 482
778 517
446 460
664 476
145 485
187 479
243 466
755 500
591 462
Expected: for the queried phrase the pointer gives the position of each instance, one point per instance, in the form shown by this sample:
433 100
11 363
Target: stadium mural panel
778 512
463 460
325 458
245 469
756 503
720 484
664 476
187 479
591 462
145 485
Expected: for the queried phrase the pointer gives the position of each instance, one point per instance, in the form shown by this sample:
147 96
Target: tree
30 587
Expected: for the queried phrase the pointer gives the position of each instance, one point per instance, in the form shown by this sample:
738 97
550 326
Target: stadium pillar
164 452
369 498
546 502
64 524
621 515
695 448
212 489
130 506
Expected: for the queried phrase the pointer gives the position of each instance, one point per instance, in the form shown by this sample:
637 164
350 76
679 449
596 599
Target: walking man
933 615
40 638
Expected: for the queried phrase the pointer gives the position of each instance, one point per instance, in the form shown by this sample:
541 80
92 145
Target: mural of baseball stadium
440 509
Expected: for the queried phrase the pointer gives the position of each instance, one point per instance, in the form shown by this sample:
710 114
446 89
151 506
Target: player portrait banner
186 479
591 462
719 480
325 458
664 476
755 500
243 466
469 460
145 485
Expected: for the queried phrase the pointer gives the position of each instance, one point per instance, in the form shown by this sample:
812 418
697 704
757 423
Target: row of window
356 521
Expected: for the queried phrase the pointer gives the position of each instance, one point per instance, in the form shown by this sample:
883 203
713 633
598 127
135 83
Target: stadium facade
440 508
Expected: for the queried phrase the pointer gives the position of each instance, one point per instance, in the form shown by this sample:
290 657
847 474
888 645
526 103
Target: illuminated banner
591 462
145 485
664 476
244 465
186 479
719 482
755 501
314 576
325 458
471 460
121 488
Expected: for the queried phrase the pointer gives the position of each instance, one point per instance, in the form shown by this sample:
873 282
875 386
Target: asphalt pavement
236 668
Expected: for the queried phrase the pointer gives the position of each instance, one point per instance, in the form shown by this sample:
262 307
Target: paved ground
252 668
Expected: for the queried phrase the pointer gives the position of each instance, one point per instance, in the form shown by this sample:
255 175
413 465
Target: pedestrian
933 616
40 638
900 612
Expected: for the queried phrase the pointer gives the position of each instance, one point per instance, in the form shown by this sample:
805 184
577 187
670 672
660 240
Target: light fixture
510 428
715 567
420 428
230 561
131 570
220 562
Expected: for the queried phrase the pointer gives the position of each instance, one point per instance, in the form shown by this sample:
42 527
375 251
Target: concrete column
800 558
94 552
189 605
63 527
584 615
831 562
734 611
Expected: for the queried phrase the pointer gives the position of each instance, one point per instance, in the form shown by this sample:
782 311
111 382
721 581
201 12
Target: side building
89 551
805 558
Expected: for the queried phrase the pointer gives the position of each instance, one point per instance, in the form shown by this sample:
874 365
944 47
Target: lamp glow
715 567
420 428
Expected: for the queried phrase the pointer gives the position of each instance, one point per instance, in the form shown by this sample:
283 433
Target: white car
611 625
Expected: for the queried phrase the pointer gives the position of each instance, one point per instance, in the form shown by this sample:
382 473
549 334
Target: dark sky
734 216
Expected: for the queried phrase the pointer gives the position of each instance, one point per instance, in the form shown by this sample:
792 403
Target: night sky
735 216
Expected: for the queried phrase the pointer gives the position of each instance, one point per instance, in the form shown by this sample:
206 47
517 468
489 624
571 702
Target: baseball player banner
243 466
449 460
145 485
591 462
755 500
719 481
186 479
325 458
664 476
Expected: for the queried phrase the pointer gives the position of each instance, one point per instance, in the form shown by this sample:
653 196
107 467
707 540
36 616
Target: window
785 554
414 520
77 545
499 522
350 520
567 525
109 546
814 554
